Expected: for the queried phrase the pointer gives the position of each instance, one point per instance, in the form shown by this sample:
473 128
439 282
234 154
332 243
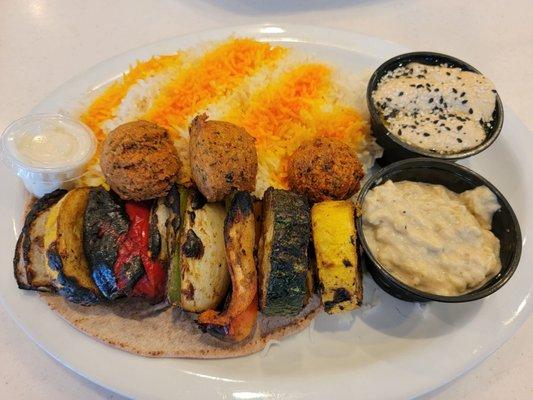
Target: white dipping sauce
47 151
54 145
431 238
436 108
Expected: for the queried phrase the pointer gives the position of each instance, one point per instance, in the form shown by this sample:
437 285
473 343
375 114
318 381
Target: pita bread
134 326
137 327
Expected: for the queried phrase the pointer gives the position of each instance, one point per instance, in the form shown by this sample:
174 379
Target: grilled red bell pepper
134 250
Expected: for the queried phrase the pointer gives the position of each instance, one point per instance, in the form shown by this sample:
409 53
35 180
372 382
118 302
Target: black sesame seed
454 90
419 86
460 140
464 101
462 94
426 134
460 127
441 100
436 89
493 91
388 99
399 132
430 100
400 94
470 111
447 73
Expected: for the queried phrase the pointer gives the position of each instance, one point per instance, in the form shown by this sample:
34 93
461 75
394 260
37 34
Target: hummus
431 238
436 108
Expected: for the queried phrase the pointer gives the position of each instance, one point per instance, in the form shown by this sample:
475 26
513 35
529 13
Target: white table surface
44 43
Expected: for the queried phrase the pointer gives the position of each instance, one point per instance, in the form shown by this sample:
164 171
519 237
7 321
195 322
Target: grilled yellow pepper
333 224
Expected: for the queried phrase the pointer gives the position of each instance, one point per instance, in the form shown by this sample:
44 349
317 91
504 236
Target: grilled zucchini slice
204 273
283 264
30 259
63 242
334 240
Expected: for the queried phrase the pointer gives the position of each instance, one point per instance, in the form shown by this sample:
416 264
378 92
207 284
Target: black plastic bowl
458 179
393 148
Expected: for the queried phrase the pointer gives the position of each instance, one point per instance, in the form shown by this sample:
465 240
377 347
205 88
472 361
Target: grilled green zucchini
283 264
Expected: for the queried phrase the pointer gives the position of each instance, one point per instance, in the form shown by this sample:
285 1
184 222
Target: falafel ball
223 158
139 161
325 169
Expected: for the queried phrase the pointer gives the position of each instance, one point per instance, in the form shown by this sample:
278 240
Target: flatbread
136 327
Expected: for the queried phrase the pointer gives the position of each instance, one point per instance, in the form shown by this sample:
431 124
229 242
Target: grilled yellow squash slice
63 241
333 224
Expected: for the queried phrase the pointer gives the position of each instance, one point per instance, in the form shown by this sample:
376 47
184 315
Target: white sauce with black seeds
436 108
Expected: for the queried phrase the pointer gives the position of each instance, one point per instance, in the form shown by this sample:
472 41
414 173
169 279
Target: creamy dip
431 238
436 108
47 151
53 144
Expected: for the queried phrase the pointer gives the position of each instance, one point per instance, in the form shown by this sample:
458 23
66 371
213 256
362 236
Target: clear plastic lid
47 149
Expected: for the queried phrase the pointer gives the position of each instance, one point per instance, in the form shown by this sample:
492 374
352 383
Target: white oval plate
393 350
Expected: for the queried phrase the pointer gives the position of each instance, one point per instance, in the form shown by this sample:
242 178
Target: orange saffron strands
280 104
212 76
105 105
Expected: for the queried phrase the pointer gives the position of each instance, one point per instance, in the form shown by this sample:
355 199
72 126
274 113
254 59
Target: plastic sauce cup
47 151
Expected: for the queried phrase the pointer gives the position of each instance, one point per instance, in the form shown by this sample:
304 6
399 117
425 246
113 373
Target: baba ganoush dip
436 108
431 238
